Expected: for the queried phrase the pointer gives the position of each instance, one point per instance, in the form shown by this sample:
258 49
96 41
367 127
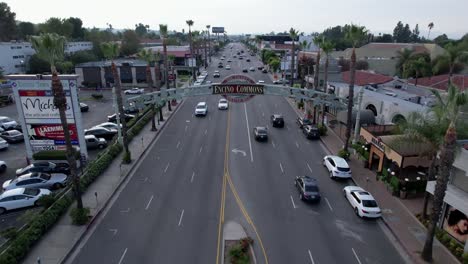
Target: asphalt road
169 212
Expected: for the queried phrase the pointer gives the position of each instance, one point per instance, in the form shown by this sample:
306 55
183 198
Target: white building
14 56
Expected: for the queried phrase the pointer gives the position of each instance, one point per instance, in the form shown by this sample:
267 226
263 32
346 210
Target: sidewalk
60 240
400 220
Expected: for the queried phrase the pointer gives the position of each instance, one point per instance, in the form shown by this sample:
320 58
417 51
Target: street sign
217 29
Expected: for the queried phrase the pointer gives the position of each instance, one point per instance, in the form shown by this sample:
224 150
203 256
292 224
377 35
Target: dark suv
277 120
308 188
311 132
260 133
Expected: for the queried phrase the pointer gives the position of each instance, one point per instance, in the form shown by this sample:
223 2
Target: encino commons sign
238 89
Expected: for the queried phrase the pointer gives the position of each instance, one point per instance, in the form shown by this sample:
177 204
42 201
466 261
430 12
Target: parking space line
149 202
181 216
356 256
311 258
281 166
191 179
292 201
165 170
123 256
308 166
329 205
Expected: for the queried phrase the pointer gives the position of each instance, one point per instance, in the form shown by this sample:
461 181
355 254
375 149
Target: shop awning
453 196
367 117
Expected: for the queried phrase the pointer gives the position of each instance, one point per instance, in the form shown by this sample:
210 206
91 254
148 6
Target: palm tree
430 26
449 105
318 41
148 56
418 66
454 54
157 74
355 34
163 33
403 57
327 47
293 33
190 24
50 47
303 46
111 51
171 59
209 40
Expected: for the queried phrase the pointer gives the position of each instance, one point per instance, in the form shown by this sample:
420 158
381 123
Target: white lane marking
113 231
297 145
181 216
281 166
248 132
149 202
263 114
273 143
201 148
178 144
123 256
209 118
165 170
191 179
311 258
329 205
308 166
292 201
186 127
206 131
287 127
125 211
276 105
355 255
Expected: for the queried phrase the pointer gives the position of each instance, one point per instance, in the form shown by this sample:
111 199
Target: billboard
456 224
217 29
40 119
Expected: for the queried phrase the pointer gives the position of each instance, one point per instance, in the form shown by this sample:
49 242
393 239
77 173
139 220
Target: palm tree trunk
349 122
121 114
191 53
447 157
291 82
325 88
149 81
317 72
60 102
430 176
166 71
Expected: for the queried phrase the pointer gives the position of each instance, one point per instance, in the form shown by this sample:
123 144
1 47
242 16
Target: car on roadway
260 68
278 82
245 70
228 67
208 82
216 74
37 180
260 133
277 120
251 69
264 70
261 81
222 58
3 166
311 132
101 132
93 142
113 118
247 60
229 60
241 58
46 167
20 198
109 125
134 91
363 203
84 107
302 121
12 136
234 56
223 104
308 188
3 144
7 123
201 109
337 167
197 83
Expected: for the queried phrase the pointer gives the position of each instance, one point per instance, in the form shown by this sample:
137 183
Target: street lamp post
358 116
209 41
117 116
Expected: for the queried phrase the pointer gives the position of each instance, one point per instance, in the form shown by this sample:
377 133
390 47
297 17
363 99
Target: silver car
20 198
37 180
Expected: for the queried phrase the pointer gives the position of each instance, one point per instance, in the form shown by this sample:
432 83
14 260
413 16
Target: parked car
37 180
113 118
84 107
20 198
17 127
93 142
260 133
223 104
3 144
12 136
3 166
7 123
303 121
311 132
101 132
308 188
46 167
277 120
201 109
337 167
109 125
363 202
134 91
229 60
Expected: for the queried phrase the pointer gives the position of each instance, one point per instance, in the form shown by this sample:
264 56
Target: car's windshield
369 203
32 192
200 107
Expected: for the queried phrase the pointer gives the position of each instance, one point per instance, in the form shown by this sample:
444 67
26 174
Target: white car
109 125
20 198
208 82
337 167
228 67
223 104
37 180
134 91
201 109
7 123
3 144
3 166
261 81
363 203
197 83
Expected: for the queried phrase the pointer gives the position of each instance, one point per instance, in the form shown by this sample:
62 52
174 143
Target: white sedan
223 104
20 198
134 91
109 125
363 203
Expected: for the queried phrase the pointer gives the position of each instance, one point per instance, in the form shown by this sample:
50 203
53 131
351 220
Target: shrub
46 200
127 158
322 130
97 96
53 155
344 154
80 216
465 258
300 105
395 183
9 233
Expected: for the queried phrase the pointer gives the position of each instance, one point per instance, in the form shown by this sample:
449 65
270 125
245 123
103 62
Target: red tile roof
283 46
441 81
364 78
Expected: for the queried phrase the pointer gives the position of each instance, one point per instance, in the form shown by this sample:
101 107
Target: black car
260 133
220 66
308 188
12 136
311 132
245 70
277 120
101 132
84 107
264 70
303 121
260 67
113 118
46 167
247 60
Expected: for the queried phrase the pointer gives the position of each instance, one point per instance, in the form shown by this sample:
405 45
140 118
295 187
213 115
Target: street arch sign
238 88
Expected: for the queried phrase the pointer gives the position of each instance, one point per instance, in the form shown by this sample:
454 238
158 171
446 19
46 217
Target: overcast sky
255 16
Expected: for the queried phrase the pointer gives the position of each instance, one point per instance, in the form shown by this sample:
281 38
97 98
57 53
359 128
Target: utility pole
117 116
209 41
358 116
206 62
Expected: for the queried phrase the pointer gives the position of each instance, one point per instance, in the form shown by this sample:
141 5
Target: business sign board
217 29
40 119
238 88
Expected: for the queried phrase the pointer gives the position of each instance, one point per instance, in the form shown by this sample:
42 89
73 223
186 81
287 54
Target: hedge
53 155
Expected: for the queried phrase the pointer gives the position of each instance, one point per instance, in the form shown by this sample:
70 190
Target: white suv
363 203
201 109
337 167
7 123
3 144
223 104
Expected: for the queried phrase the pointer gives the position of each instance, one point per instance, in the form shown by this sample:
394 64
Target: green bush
323 130
80 216
395 183
98 166
97 96
465 258
300 105
9 233
344 154
53 155
46 200
127 157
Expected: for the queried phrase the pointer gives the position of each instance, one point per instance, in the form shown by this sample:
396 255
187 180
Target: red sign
241 87
53 131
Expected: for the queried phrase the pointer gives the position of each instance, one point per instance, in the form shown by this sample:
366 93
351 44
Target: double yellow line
227 178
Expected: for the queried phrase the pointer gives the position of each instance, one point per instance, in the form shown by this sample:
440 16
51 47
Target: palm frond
49 47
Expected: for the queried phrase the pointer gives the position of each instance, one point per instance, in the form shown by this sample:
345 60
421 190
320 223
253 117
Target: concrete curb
238 234
106 203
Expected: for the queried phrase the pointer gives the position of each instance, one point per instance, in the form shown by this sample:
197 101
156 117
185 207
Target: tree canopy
7 23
